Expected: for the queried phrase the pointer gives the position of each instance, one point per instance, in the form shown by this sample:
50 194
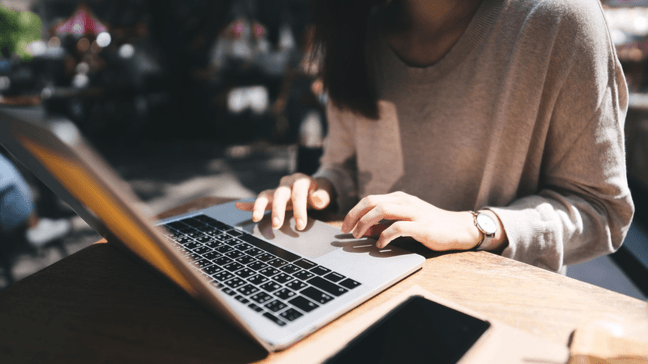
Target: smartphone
416 331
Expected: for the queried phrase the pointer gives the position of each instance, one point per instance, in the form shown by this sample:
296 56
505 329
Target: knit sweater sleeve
338 162
583 207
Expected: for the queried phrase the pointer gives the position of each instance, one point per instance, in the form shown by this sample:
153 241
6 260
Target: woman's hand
435 228
297 192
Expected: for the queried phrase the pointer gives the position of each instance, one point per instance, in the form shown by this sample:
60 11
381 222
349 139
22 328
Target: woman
511 108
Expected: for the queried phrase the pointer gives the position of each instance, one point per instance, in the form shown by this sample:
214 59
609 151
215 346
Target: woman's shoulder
578 23
583 14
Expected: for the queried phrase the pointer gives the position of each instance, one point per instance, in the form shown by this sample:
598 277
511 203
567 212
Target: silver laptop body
336 272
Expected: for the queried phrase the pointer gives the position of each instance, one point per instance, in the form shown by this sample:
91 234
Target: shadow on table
117 311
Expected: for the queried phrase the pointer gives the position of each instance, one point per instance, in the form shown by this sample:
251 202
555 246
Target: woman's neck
421 32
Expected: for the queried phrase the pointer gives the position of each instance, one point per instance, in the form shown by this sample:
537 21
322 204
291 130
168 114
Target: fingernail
256 216
317 200
300 224
275 223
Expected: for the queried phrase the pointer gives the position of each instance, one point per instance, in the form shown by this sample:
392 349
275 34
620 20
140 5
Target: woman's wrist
474 237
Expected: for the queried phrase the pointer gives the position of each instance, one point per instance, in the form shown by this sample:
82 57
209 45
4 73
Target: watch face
486 223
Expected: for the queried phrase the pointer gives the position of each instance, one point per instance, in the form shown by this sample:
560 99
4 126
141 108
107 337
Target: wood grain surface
99 305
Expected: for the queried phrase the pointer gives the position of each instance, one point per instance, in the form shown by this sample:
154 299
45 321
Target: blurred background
190 98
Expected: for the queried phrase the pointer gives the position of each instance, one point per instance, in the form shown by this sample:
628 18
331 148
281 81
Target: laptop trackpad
312 242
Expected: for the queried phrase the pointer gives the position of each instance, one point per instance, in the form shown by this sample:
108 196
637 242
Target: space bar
264 245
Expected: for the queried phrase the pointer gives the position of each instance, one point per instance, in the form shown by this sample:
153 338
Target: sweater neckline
484 18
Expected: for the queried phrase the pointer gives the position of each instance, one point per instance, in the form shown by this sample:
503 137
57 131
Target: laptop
275 286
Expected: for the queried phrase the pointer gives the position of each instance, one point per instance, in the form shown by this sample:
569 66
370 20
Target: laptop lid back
69 166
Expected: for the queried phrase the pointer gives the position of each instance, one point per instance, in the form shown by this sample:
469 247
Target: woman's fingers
245 206
296 192
301 188
384 211
396 230
375 231
279 201
365 205
318 197
261 205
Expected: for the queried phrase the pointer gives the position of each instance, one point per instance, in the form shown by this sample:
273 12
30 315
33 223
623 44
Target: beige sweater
524 115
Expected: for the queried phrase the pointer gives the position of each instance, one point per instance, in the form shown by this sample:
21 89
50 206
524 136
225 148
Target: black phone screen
416 331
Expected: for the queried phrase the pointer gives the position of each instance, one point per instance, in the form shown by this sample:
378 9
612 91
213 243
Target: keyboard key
217 284
291 314
202 250
316 295
256 265
235 282
254 252
303 275
222 260
261 297
245 259
245 272
234 254
211 221
257 279
212 269
231 241
284 293
349 283
248 289
334 277
306 264
229 291
176 225
255 307
320 271
208 230
265 257
222 276
211 255
204 239
296 285
244 247
272 318
283 278
202 263
275 306
241 299
303 304
290 269
193 222
213 244
269 271
277 263
195 256
233 266
327 286
264 245
270 286
192 245
224 249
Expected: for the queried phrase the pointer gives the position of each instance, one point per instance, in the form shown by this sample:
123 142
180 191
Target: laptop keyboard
280 285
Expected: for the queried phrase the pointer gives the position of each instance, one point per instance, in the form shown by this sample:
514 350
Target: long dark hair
339 37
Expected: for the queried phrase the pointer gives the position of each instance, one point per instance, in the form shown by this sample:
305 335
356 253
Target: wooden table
100 306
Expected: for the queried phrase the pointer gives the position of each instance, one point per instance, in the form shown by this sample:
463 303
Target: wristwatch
487 226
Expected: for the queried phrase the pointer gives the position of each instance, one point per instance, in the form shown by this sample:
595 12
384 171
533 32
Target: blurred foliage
17 31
